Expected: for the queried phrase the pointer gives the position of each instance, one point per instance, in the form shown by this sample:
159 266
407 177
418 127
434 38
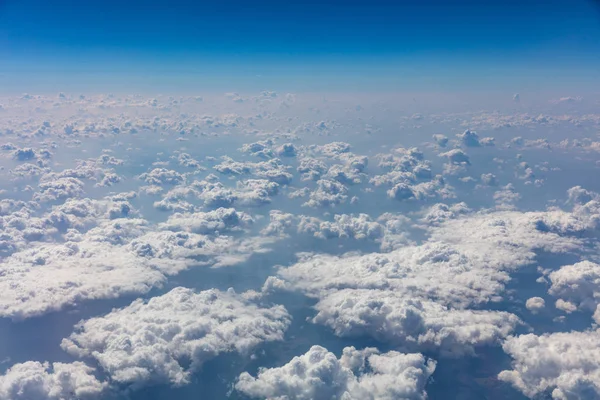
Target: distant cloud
45 381
563 365
358 374
148 342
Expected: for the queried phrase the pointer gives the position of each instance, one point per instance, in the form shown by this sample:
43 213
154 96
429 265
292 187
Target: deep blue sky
436 44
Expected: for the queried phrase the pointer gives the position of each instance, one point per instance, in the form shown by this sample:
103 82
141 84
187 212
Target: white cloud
358 374
535 304
44 381
423 294
565 365
327 194
162 176
59 189
170 336
577 285
216 221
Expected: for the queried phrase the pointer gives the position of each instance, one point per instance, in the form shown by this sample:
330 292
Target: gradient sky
231 44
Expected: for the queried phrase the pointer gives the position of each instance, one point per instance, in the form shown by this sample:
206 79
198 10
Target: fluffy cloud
471 139
59 189
421 295
577 284
534 304
44 381
49 276
343 226
389 229
327 194
456 156
170 336
219 220
563 365
358 374
272 169
162 176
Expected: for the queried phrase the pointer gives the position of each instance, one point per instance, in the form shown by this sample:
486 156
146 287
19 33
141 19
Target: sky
311 45
318 200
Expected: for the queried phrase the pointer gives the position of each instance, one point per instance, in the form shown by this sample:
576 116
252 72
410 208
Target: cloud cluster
577 284
563 365
44 381
421 295
357 374
168 337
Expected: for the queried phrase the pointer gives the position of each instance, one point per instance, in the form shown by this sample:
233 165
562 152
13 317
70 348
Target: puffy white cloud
506 197
565 365
456 156
577 285
170 336
535 304
469 139
33 380
333 149
259 149
489 179
411 323
162 176
59 189
327 194
358 374
47 277
441 140
219 220
565 306
24 154
422 294
311 168
287 150
441 212
273 169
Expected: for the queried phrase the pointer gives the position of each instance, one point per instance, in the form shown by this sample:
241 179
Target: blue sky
429 45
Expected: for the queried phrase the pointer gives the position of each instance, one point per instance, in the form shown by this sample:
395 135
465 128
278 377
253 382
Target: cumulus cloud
59 189
162 176
423 294
564 365
577 285
33 380
219 220
327 194
535 304
456 156
357 374
168 337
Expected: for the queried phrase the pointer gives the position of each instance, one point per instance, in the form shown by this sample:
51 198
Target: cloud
168 337
33 380
59 189
272 169
162 176
206 223
456 156
343 226
577 285
47 277
327 194
389 229
357 374
311 168
563 365
286 150
441 140
422 295
535 304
